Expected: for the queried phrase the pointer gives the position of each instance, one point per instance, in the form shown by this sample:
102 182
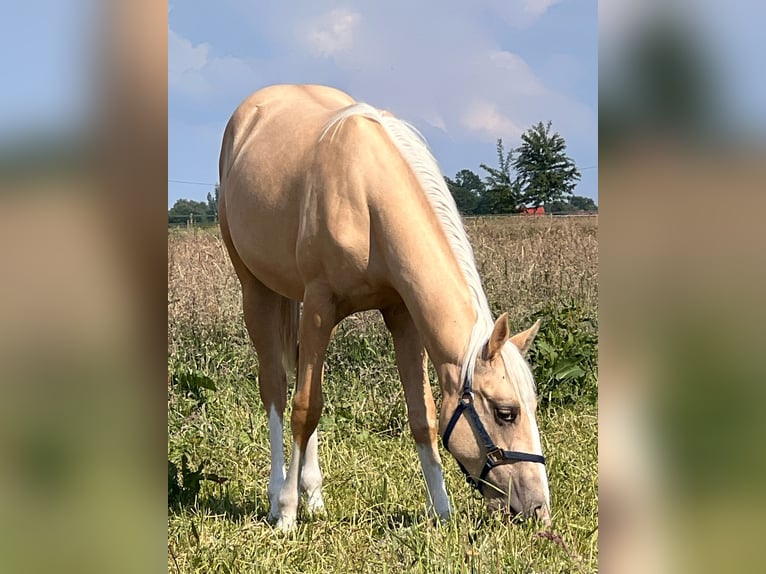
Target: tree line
188 210
537 173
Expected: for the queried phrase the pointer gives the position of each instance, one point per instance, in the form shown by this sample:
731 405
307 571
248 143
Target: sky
464 73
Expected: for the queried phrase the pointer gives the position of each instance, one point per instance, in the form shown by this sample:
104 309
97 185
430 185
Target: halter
495 455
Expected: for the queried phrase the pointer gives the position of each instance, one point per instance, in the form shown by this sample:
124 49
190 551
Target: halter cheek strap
495 455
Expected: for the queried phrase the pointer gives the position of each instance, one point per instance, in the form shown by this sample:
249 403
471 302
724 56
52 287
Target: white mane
413 147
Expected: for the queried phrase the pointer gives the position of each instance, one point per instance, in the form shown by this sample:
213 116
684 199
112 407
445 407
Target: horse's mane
413 147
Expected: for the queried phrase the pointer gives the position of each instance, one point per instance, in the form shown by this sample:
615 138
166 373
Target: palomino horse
341 206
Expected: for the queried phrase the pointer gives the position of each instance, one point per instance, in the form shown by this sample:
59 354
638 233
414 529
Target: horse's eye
506 414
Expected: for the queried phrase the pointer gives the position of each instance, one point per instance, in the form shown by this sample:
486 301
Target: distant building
533 211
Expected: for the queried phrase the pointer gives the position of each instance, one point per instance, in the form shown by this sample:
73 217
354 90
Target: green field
373 489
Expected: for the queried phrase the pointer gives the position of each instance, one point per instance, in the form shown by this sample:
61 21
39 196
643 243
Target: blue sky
46 63
465 73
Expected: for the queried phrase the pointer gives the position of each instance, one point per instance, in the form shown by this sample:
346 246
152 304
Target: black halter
495 455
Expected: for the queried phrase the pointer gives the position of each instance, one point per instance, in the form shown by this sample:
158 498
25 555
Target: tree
466 189
544 172
581 203
559 206
575 203
184 209
501 194
212 204
470 181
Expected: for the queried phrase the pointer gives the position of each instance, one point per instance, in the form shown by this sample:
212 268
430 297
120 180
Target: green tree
544 172
466 189
212 204
185 209
575 203
559 206
501 193
580 203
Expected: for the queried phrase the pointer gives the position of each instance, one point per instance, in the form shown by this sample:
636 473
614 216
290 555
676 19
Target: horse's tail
289 325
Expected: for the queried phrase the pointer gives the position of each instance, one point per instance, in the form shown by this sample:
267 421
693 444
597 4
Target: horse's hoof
444 517
315 506
286 523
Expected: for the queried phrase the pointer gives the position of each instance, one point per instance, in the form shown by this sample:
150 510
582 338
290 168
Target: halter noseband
495 455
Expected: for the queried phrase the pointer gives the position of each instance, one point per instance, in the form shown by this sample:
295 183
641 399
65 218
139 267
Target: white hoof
273 514
273 506
286 523
442 516
315 503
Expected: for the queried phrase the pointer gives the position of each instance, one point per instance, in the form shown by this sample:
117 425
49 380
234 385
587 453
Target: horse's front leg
413 369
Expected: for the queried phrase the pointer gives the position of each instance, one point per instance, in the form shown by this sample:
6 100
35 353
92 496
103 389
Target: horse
329 207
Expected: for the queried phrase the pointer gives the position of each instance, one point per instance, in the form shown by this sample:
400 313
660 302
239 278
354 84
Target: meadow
218 452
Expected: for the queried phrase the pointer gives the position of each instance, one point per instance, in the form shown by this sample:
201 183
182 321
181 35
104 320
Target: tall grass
375 495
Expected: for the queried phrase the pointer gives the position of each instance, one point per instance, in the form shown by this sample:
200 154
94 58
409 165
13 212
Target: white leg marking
288 497
311 476
277 477
430 462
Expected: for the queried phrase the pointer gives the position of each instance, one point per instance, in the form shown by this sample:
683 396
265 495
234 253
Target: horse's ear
523 340
499 336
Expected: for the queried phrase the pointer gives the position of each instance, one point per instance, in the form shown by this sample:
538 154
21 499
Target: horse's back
265 156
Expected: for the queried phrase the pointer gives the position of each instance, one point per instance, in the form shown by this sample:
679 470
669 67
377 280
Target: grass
373 487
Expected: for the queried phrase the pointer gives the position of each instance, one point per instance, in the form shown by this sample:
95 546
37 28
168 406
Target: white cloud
537 8
484 117
185 62
333 32
522 13
436 120
194 71
515 69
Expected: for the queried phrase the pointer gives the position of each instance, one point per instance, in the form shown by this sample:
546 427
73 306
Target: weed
564 356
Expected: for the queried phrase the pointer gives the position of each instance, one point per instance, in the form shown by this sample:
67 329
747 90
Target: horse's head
492 430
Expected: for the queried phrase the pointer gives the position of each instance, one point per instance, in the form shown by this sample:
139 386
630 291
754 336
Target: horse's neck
421 263
445 317
429 280
446 320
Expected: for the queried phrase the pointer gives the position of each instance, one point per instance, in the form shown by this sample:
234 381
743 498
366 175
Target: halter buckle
495 456
467 398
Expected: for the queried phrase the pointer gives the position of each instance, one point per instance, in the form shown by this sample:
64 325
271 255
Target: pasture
218 450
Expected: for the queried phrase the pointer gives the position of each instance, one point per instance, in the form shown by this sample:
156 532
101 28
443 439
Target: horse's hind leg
267 316
265 313
421 410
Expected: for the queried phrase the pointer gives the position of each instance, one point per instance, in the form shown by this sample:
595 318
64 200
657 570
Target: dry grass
524 262
204 294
